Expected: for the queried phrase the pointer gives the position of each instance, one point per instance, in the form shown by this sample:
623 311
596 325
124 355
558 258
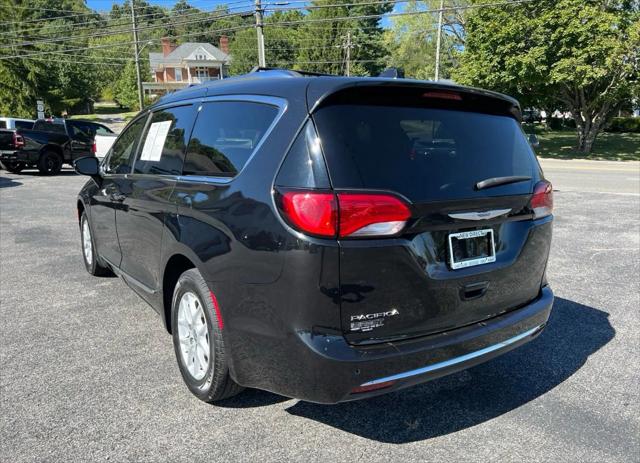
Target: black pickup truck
47 146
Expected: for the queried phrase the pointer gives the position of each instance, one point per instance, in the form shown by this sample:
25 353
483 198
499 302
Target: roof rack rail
289 72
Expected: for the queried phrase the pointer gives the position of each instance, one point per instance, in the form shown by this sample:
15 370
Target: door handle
113 194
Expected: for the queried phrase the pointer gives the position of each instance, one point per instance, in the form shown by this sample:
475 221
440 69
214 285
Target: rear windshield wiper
497 181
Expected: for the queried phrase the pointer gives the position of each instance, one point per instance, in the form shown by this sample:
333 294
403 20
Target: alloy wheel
193 335
87 245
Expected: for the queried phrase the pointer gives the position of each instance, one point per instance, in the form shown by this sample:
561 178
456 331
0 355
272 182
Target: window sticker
153 144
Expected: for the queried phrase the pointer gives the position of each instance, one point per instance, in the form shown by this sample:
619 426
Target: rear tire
50 163
198 341
90 258
15 167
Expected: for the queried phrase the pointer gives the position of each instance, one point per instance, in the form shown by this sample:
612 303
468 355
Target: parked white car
102 144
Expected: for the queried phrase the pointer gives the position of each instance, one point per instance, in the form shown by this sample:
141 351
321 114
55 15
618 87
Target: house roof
183 51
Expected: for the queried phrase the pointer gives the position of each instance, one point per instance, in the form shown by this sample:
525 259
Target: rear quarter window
225 136
44 126
425 154
24 125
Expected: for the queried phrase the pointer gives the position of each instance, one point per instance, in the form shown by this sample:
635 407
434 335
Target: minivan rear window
425 154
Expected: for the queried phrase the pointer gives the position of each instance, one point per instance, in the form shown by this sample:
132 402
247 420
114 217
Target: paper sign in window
153 144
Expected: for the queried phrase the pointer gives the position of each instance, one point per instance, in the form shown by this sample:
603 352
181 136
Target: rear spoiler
394 92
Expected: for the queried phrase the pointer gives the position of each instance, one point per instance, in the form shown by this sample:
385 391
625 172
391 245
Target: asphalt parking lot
87 372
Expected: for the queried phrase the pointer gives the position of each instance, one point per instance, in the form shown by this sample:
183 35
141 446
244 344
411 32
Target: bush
624 124
558 123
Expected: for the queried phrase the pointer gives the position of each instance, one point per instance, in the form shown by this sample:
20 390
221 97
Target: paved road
88 374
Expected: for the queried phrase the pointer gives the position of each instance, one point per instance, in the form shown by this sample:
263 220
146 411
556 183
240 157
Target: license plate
467 249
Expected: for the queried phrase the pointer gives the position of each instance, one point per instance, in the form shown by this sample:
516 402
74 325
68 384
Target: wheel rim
52 163
193 335
87 245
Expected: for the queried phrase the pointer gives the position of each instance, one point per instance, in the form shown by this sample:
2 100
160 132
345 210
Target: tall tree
281 43
324 37
412 38
575 55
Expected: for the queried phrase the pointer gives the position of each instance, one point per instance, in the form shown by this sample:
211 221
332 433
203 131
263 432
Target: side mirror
533 140
88 165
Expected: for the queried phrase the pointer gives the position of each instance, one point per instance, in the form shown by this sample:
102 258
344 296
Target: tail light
344 215
311 212
364 214
18 141
94 148
542 200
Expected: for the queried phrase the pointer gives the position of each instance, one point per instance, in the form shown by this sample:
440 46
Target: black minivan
322 237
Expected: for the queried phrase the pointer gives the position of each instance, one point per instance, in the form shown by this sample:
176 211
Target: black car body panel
287 298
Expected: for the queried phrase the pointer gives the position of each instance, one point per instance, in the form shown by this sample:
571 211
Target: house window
202 72
178 74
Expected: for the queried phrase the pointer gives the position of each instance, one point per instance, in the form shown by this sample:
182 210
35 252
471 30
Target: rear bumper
324 368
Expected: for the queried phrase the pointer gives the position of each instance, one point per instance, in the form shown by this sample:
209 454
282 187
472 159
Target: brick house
190 63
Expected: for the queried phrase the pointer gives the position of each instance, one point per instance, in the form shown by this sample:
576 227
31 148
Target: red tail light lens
18 141
364 214
542 200
311 212
345 214
94 148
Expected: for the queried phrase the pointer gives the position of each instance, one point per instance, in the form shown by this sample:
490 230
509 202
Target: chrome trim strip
455 360
484 215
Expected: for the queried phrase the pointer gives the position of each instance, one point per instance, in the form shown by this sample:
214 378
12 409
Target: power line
125 24
102 15
125 31
289 23
400 13
123 44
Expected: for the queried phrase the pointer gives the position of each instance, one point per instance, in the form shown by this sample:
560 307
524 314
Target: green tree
323 41
281 44
411 40
574 55
32 64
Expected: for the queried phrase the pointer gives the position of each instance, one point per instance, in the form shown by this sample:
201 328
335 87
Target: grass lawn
608 146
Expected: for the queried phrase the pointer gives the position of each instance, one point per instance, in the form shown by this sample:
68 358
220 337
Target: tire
196 334
15 167
50 163
92 261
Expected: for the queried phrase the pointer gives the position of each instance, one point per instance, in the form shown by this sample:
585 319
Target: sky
102 5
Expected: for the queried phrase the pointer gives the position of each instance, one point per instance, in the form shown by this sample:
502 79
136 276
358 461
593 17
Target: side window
124 147
225 135
23 125
102 130
164 142
81 130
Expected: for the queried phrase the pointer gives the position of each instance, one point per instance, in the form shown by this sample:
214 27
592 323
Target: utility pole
259 25
348 46
137 57
438 40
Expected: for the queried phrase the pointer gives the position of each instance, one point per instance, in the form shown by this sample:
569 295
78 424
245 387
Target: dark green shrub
555 123
624 124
